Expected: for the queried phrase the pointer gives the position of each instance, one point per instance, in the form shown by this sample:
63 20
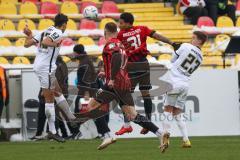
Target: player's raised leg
62 103
126 128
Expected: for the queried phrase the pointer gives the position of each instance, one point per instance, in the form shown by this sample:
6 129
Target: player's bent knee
130 112
176 111
145 94
93 104
57 94
168 109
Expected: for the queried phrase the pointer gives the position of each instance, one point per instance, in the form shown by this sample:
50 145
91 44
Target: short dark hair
60 19
79 49
201 36
111 27
127 17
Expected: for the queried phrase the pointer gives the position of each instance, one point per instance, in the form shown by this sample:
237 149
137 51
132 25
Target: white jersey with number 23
45 60
185 61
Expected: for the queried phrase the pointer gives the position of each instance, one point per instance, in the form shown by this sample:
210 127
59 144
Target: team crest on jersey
111 46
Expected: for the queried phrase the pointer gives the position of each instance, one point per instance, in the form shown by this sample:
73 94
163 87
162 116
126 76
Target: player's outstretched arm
166 40
159 37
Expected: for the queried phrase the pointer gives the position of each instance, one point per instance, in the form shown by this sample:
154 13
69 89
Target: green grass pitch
203 148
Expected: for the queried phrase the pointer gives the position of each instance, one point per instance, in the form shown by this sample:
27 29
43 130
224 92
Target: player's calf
64 107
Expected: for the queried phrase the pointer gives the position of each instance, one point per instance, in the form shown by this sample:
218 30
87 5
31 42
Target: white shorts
176 98
47 80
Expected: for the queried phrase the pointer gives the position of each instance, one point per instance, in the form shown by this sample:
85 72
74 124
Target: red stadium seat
49 8
238 5
101 41
33 1
67 42
109 7
205 21
85 4
88 24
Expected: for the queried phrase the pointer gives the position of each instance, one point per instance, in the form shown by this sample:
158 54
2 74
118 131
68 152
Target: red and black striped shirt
134 40
115 61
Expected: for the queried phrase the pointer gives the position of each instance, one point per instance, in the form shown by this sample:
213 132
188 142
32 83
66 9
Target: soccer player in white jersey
185 61
49 42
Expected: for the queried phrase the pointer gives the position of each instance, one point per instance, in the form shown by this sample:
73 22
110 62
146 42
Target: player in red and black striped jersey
118 87
134 40
115 61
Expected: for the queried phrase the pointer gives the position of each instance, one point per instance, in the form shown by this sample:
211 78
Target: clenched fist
27 31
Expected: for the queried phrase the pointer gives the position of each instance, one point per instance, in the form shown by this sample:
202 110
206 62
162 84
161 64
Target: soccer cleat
38 138
55 137
75 136
186 144
164 142
144 131
106 142
124 130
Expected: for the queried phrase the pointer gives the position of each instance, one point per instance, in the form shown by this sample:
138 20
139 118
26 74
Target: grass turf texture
203 148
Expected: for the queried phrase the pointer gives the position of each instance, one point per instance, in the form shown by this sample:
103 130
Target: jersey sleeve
119 36
55 35
180 49
147 31
37 37
177 53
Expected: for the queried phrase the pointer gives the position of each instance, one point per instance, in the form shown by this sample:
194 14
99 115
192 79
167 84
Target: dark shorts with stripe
139 73
106 95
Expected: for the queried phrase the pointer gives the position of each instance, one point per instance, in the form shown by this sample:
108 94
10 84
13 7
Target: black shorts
106 95
139 73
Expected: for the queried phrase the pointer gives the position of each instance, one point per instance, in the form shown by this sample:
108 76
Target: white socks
158 133
50 114
63 105
60 99
180 122
182 126
127 124
107 135
166 122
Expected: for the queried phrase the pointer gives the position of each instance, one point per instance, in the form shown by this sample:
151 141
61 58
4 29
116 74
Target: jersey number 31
136 41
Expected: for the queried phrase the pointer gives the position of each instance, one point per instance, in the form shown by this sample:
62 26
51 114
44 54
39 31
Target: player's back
113 45
134 40
109 58
187 60
45 59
